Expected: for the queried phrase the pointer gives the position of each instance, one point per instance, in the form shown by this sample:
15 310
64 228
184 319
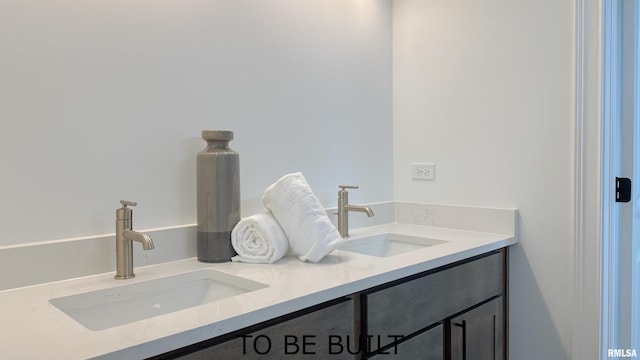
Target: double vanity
396 290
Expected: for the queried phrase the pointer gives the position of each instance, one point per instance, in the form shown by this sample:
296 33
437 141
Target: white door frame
588 181
635 320
595 168
611 167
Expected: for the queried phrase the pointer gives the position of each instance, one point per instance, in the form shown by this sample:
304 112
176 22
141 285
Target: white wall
105 100
484 90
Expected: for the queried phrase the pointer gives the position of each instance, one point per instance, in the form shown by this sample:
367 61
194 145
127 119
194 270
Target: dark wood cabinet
455 312
468 293
478 334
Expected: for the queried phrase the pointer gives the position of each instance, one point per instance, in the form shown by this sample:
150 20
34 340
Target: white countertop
32 328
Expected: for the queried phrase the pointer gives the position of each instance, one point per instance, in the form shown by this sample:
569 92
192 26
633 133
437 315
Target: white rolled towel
259 239
304 221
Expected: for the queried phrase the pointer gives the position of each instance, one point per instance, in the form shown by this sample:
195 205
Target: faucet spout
147 242
364 209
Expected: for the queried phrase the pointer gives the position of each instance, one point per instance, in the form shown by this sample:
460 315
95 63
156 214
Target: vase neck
217 144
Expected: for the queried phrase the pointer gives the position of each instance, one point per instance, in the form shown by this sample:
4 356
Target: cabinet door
426 346
328 332
411 306
478 334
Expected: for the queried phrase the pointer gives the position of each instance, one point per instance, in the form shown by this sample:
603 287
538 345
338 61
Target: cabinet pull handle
463 325
494 336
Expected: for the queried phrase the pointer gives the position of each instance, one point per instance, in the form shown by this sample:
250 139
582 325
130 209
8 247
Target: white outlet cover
423 171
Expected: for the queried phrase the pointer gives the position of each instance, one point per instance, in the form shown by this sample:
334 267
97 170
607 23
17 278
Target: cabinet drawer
428 346
413 305
327 332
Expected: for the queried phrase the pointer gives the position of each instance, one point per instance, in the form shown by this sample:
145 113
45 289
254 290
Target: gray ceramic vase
218 196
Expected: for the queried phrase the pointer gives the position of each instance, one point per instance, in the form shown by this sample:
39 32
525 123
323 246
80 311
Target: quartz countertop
32 328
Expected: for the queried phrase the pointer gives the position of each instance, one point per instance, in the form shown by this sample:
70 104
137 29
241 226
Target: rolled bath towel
259 239
311 234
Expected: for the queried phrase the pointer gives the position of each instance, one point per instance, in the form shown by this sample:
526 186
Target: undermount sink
103 309
388 244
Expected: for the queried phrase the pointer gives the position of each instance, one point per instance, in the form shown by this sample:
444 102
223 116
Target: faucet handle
343 187
127 202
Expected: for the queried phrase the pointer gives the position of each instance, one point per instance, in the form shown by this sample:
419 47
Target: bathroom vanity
433 290
441 313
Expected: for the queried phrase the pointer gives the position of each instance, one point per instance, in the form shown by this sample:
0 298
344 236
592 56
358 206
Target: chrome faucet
124 241
344 207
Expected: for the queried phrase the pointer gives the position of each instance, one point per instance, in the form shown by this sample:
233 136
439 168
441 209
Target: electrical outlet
423 171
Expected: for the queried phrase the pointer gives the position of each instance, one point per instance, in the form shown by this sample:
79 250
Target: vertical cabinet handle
494 336
463 325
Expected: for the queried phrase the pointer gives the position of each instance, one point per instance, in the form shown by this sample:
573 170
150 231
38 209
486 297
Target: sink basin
103 309
388 244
